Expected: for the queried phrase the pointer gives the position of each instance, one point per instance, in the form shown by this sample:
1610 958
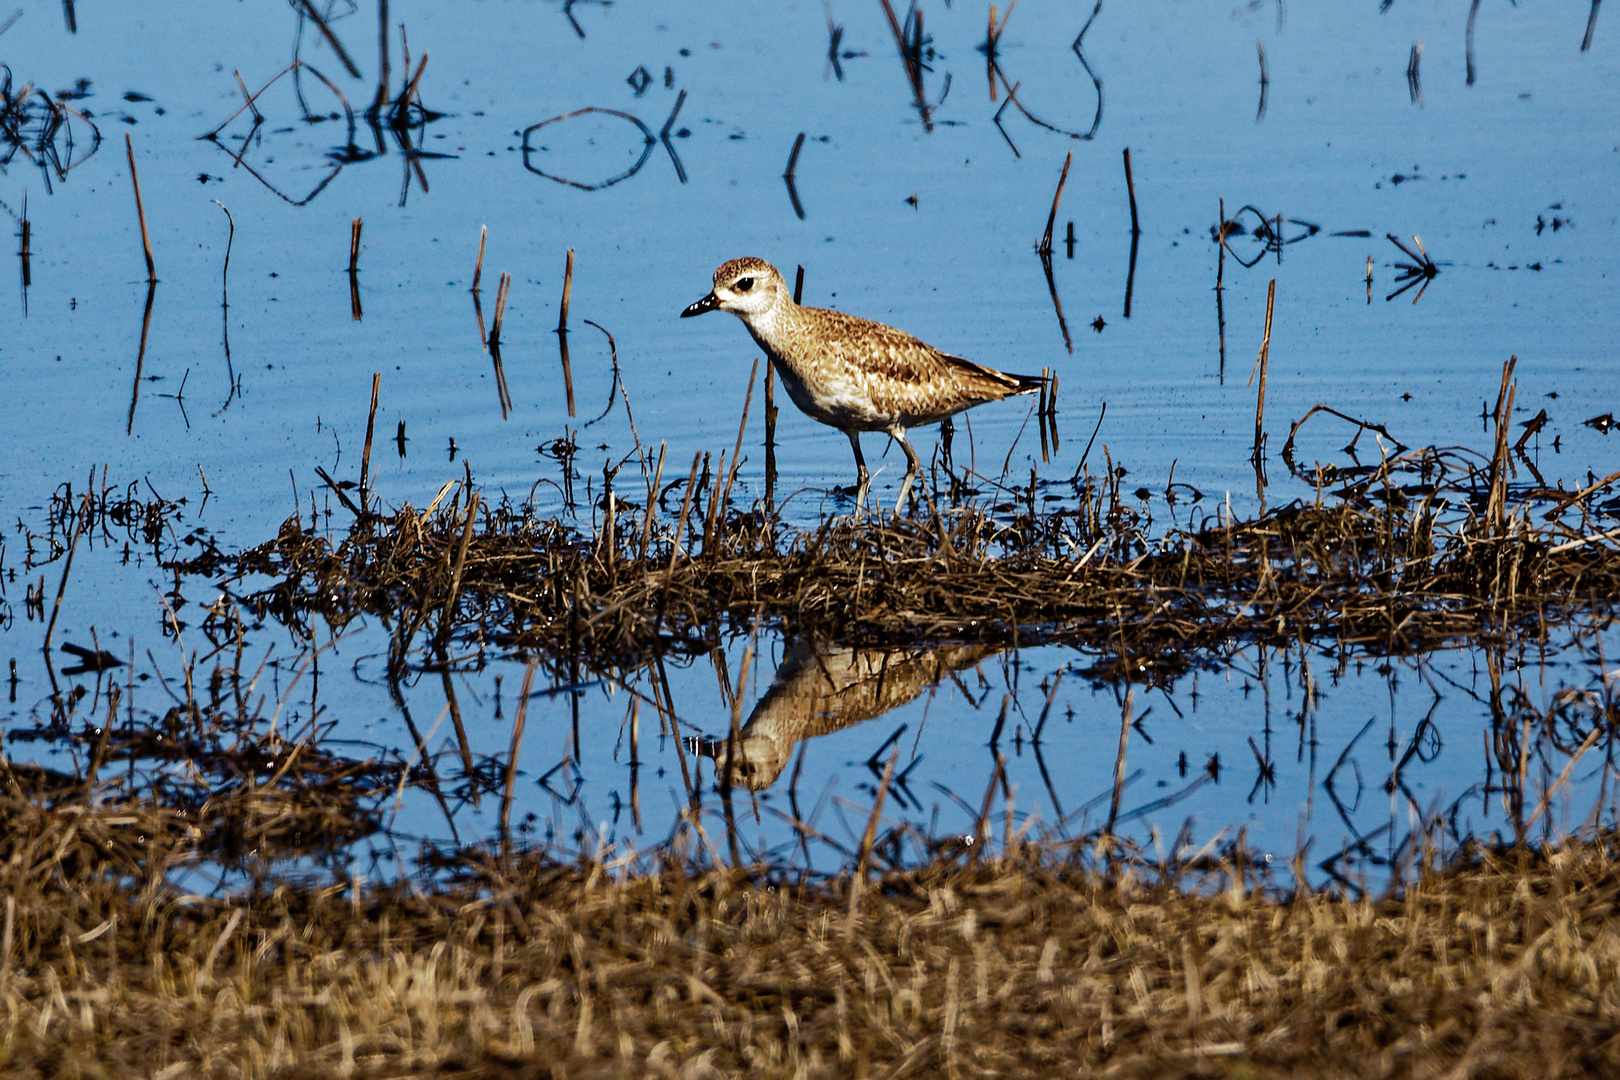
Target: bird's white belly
836 402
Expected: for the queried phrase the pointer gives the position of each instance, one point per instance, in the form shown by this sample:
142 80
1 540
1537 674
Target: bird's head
747 287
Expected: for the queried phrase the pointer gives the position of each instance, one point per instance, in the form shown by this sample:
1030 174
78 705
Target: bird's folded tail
1010 385
1025 384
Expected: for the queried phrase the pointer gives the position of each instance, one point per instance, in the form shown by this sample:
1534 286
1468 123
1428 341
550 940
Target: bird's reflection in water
819 690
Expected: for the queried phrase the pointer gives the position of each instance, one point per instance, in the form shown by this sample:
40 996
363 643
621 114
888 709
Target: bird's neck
765 325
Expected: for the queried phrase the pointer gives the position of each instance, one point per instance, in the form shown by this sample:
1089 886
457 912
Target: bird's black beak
708 303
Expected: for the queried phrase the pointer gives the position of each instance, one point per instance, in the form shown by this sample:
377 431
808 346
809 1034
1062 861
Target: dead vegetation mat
1496 963
1388 578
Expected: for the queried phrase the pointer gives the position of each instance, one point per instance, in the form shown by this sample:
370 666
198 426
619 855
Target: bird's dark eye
743 284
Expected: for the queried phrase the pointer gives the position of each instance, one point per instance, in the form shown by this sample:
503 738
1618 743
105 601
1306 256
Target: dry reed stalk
456 571
512 754
1119 760
79 525
857 880
1220 288
365 455
1045 247
567 293
1130 189
652 502
140 211
1496 504
608 515
502 288
355 311
736 453
100 754
478 267
714 503
680 526
23 249
1040 413
1260 362
562 330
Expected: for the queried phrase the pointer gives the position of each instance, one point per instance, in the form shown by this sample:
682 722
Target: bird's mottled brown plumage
852 373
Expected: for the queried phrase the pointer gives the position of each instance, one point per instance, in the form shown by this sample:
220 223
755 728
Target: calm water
927 218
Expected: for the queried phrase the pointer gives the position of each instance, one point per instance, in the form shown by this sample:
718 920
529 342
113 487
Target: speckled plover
854 374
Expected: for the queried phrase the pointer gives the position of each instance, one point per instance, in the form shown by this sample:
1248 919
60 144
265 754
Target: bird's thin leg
862 477
913 468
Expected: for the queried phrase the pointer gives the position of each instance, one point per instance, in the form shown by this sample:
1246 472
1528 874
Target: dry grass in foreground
1502 964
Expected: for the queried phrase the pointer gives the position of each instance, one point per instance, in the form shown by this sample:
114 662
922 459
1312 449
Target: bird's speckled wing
899 375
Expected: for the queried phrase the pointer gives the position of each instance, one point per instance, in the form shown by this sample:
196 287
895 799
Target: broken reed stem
652 501
355 311
736 454
686 508
568 292
1260 363
478 268
1040 415
23 250
517 744
714 501
67 566
501 289
140 210
410 91
1051 410
455 574
1468 38
1119 759
1130 189
609 516
100 754
562 331
1496 506
865 854
371 424
1057 197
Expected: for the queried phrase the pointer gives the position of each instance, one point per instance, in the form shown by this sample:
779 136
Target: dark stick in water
1468 37
1220 288
225 299
354 268
1057 197
1260 365
1136 233
371 425
140 211
517 744
562 330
